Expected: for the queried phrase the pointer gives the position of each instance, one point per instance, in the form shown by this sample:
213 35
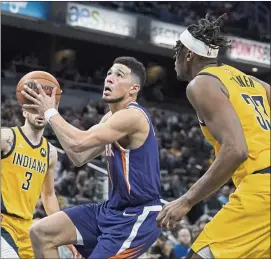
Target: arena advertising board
39 10
249 51
165 34
100 19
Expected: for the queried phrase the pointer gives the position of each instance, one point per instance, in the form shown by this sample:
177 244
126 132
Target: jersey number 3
26 185
257 102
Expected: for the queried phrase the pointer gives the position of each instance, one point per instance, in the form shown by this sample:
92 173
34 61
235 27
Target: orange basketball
47 81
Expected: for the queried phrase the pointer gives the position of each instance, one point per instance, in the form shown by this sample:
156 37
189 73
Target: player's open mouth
107 89
40 119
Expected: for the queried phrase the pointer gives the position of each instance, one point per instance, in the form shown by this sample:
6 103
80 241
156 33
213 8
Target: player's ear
135 88
24 113
190 55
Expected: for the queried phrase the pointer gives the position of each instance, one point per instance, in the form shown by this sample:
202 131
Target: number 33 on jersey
23 171
249 99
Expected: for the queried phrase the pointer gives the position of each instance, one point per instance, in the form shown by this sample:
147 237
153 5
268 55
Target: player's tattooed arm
7 140
206 95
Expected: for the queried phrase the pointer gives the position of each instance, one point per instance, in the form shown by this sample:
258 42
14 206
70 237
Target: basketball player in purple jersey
124 226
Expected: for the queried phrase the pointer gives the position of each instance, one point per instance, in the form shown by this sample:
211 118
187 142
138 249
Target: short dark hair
207 31
136 67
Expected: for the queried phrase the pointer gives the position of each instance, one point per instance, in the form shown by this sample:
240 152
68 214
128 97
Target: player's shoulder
106 116
7 133
136 112
52 153
129 113
204 84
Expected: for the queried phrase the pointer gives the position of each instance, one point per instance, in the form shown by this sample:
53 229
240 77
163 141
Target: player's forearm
50 203
80 159
72 139
65 132
225 164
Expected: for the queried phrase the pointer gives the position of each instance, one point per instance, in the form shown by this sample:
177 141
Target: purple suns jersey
134 175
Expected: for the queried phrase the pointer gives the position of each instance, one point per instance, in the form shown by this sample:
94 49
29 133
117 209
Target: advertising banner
100 19
165 34
249 51
39 10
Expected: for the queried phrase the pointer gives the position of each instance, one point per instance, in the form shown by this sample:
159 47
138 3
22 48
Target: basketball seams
22 90
37 78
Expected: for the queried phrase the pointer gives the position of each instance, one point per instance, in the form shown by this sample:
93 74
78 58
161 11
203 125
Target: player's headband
197 46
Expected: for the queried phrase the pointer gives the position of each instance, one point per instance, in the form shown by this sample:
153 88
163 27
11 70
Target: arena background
77 42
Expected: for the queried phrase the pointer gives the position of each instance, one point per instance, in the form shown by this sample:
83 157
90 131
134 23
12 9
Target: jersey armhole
214 76
12 147
146 116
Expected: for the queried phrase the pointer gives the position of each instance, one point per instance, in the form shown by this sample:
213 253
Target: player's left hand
172 213
74 252
41 101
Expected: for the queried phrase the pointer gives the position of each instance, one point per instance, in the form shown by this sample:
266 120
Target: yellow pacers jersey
249 99
23 172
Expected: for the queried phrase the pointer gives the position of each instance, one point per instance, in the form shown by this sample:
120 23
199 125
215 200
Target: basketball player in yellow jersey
28 162
234 113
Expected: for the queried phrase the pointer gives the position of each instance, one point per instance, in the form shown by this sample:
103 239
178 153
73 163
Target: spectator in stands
195 232
166 160
182 249
155 81
163 249
176 186
67 186
224 196
213 205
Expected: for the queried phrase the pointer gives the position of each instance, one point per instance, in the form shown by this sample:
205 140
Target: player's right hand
172 213
74 251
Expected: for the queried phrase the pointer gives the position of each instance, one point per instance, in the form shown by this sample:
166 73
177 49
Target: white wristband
49 113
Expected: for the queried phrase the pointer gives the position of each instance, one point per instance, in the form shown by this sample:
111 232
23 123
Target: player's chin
181 77
108 99
40 125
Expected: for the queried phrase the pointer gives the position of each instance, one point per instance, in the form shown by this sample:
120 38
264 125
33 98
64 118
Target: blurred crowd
246 19
65 70
184 157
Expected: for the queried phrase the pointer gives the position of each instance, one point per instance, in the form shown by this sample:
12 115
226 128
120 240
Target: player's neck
34 135
114 107
200 66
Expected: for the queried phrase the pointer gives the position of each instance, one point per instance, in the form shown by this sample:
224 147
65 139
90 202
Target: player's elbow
240 153
77 162
77 146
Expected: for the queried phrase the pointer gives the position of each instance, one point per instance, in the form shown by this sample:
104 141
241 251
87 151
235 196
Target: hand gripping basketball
41 101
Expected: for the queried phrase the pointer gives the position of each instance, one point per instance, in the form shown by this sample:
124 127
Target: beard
36 126
114 100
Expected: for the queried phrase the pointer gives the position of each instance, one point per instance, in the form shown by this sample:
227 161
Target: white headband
197 46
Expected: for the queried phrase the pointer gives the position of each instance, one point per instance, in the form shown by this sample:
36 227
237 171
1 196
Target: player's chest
32 162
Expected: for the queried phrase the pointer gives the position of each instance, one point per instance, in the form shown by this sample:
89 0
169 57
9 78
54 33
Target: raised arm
81 158
120 124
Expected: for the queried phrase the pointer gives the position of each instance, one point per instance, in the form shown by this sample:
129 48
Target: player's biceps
111 135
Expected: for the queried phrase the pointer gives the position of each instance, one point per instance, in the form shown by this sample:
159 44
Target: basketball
46 80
